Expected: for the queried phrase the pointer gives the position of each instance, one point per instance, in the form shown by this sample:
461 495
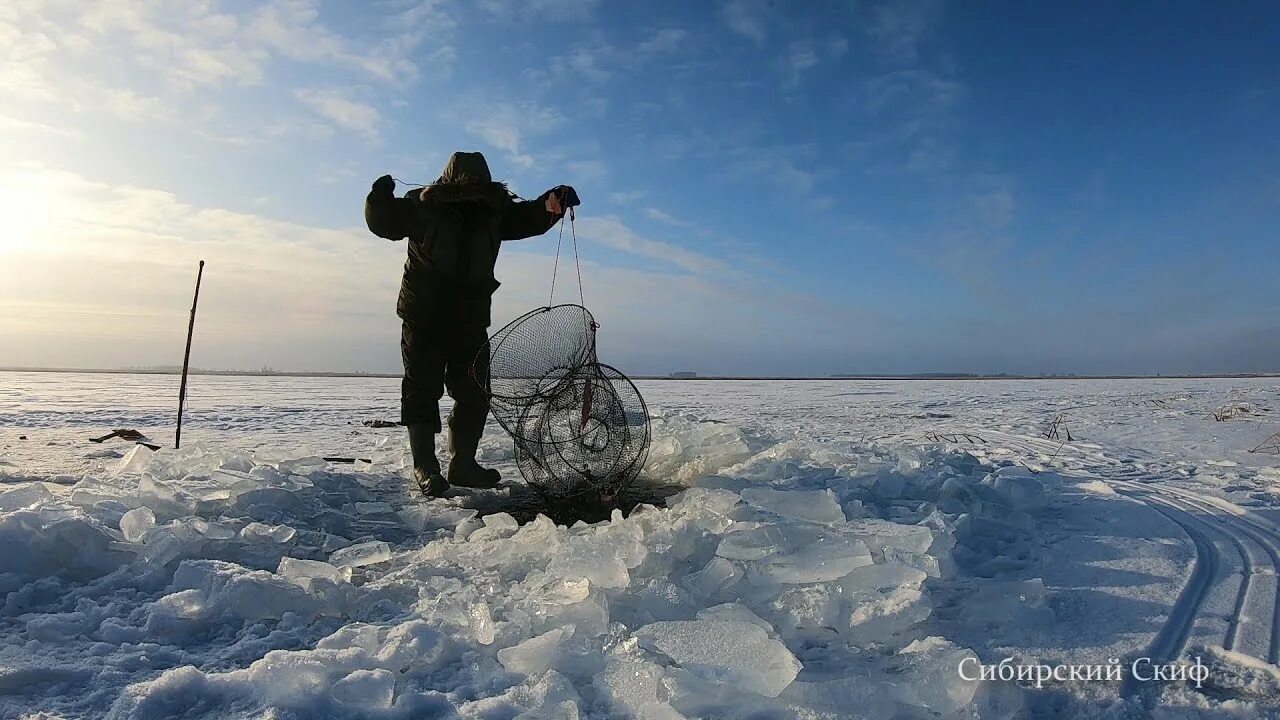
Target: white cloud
612 232
780 166
801 57
626 197
542 10
20 125
666 40
343 112
897 29
505 126
915 91
143 60
292 29
743 17
190 44
129 105
662 217
581 171
587 61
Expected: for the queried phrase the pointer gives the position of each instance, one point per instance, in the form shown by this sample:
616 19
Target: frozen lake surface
835 549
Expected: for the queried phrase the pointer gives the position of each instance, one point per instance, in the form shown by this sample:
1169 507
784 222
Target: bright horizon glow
24 214
876 188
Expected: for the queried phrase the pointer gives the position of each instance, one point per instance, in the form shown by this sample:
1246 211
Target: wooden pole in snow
186 358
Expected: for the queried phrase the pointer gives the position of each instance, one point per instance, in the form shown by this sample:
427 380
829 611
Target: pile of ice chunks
161 508
729 604
797 582
580 427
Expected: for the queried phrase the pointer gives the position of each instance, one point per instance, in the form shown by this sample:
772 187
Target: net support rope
577 261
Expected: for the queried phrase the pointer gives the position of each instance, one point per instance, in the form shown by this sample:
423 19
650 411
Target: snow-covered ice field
840 549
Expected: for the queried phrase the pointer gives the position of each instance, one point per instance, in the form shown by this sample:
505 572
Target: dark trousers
437 357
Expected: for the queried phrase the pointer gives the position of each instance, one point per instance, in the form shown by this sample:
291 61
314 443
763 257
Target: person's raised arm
388 216
534 217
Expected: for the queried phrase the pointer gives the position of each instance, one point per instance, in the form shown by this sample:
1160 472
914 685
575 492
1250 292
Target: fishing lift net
580 427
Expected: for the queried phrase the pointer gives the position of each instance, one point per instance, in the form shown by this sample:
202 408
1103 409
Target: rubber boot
426 467
464 471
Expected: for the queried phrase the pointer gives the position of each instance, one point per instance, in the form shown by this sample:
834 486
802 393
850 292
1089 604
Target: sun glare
23 212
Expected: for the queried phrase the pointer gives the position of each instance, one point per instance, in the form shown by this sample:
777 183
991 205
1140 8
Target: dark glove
567 196
383 187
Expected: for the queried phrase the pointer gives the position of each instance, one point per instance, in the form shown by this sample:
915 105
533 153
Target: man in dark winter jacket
455 227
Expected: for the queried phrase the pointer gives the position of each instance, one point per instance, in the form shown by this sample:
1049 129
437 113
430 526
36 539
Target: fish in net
580 427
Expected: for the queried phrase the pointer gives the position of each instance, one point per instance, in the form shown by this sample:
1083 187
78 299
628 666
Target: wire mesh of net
580 427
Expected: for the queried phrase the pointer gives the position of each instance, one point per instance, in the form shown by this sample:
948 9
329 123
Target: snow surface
831 550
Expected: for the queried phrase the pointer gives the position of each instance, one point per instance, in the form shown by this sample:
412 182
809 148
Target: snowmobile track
1172 636
1256 541
1259 532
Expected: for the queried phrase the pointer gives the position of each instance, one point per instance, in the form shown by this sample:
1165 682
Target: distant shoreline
807 378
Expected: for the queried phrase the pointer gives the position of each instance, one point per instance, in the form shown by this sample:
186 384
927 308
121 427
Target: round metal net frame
580 427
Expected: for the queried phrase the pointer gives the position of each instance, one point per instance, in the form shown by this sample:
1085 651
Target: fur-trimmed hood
466 179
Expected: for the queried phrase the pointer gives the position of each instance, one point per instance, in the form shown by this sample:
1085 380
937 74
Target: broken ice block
135 461
877 617
736 653
698 499
634 687
928 677
807 607
891 485
1016 602
482 624
163 497
882 601
561 591
1021 492
880 534
542 532
373 508
466 526
753 544
372 689
413 644
89 492
927 564
886 576
534 655
25 497
367 553
716 576
735 612
267 533
213 531
550 696
161 548
595 558
827 558
301 572
816 507
135 523
496 526
302 466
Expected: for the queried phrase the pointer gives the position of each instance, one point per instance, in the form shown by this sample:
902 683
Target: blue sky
768 188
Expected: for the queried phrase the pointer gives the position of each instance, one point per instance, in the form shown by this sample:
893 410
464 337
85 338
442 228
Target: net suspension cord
577 260
577 263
